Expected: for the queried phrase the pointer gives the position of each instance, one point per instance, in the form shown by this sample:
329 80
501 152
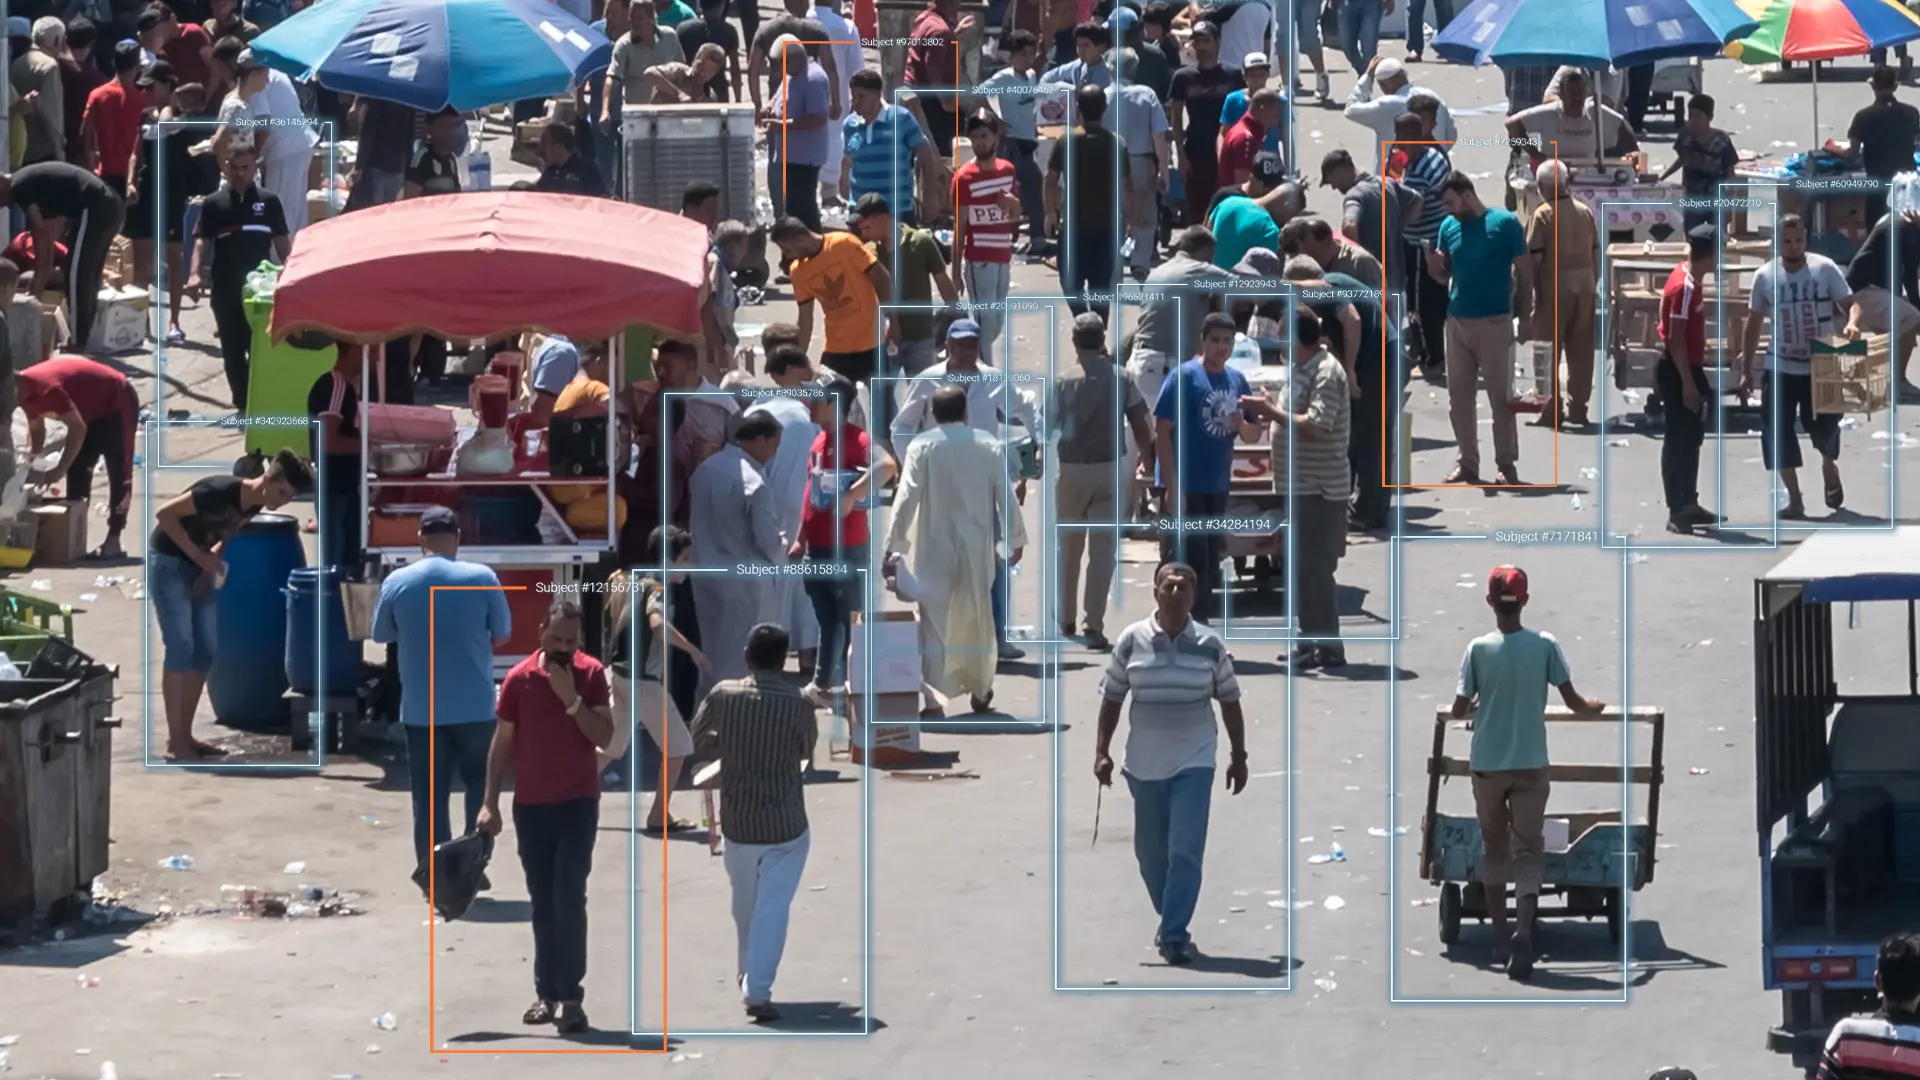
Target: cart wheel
1614 907
1449 913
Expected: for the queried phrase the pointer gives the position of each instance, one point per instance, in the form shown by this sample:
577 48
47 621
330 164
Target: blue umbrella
432 54
1590 33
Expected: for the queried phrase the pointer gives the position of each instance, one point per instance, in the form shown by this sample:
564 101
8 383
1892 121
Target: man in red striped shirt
1886 1045
986 214
1685 395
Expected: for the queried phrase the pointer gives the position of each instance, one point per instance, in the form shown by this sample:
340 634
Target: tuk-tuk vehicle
1838 878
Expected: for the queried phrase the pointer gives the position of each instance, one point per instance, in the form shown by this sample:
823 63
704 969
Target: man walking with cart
1504 679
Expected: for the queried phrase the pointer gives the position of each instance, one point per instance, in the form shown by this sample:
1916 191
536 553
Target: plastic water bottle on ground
177 862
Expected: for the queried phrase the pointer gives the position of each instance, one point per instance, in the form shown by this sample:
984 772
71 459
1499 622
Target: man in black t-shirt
1089 252
567 172
712 28
334 402
1198 94
241 226
763 64
65 202
434 170
1885 135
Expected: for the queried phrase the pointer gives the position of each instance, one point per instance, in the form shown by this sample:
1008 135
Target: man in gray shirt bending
1168 332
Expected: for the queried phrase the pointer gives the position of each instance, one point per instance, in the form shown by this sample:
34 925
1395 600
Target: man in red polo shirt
100 410
1686 397
554 718
1248 137
933 61
111 125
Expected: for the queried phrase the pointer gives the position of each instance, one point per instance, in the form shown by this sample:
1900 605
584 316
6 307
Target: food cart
1836 779
490 266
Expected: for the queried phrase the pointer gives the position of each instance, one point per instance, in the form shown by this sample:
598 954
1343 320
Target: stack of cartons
884 702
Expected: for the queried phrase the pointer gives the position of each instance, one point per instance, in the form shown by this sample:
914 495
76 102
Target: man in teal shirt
1244 218
1482 257
1504 679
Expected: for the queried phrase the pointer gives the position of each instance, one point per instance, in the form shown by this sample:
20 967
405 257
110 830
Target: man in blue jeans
1175 668
448 617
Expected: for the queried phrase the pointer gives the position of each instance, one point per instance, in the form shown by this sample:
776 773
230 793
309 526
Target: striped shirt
1174 682
882 152
1884 1046
1425 177
1319 466
765 732
978 189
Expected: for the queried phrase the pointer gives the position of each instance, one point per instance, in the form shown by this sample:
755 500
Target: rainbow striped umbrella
1807 30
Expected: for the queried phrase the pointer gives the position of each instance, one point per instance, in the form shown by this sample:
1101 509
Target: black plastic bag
458 866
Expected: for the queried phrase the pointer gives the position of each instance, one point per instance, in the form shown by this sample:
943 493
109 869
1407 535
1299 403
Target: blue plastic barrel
307 590
249 676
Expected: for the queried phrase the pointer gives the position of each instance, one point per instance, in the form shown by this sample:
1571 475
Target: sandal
1793 513
1462 475
540 1012
674 825
1836 495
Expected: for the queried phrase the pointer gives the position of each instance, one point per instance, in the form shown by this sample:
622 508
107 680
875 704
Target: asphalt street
995 925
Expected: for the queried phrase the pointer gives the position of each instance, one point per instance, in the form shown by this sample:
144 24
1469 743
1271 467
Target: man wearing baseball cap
446 642
1257 72
1504 679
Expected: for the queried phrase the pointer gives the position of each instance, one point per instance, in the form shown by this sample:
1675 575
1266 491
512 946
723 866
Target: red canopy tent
483 265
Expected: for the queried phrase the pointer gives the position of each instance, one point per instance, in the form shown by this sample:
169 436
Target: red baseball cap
1507 584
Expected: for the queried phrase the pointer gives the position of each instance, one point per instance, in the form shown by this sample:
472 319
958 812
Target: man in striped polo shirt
884 147
765 731
1175 668
1886 1045
1427 173
1310 471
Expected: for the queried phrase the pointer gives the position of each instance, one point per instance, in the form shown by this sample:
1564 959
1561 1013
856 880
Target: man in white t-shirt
287 158
847 59
1565 129
1806 298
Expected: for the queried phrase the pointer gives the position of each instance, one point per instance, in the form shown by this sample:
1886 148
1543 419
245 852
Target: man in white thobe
736 526
991 401
787 475
287 159
952 495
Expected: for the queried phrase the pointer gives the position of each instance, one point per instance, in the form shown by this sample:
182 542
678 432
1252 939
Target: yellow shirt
836 279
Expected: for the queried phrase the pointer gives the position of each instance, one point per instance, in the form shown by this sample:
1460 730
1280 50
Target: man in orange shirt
1249 136
841 274
111 124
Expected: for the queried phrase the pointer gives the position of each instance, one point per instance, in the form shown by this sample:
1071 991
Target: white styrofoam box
1557 834
23 331
894 638
121 322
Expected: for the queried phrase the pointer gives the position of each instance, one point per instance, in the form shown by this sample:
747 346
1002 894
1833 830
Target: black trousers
1201 549
1639 94
1374 444
92 239
109 439
399 373
801 186
1779 446
1686 432
556 853
236 337
1429 298
748 12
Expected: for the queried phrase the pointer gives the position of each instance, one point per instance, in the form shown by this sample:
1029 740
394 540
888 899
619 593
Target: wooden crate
1852 377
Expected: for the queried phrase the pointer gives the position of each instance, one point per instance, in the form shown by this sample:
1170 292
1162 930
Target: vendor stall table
1636 212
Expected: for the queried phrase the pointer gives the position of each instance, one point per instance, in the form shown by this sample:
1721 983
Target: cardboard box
890 735
63 532
894 639
119 265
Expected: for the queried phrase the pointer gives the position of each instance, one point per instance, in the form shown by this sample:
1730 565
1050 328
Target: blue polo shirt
1482 251
882 153
452 631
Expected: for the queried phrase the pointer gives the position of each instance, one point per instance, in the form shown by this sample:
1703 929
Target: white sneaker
1323 87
